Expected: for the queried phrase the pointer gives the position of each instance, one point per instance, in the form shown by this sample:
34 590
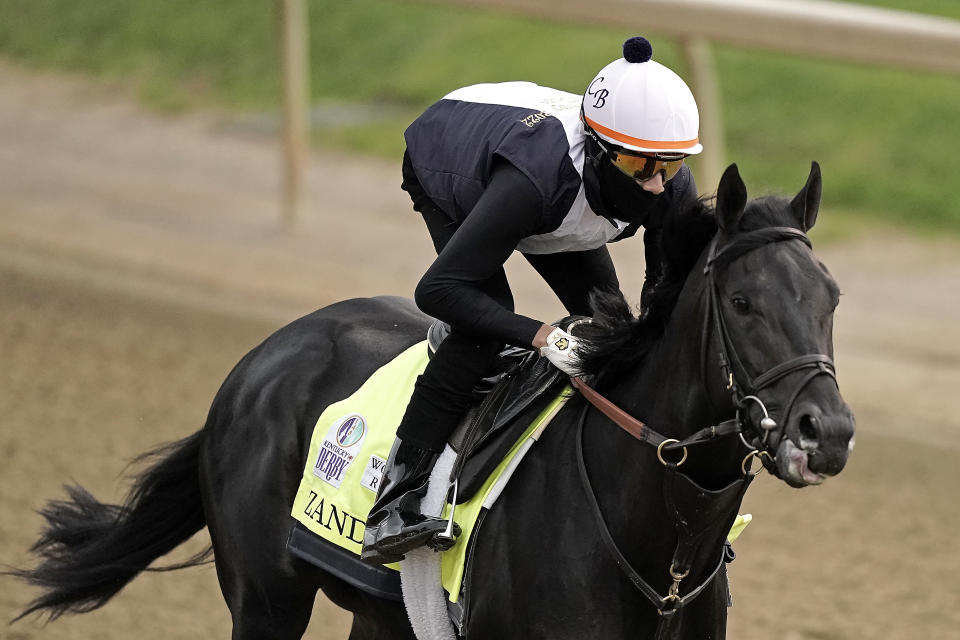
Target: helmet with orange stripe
640 106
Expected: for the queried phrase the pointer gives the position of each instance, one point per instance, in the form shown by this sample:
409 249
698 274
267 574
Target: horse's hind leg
269 592
267 602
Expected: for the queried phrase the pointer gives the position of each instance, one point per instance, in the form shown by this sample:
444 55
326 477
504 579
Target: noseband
742 387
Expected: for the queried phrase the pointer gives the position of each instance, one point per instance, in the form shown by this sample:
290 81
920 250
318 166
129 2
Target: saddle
519 387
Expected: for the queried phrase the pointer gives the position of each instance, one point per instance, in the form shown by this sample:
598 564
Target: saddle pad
349 447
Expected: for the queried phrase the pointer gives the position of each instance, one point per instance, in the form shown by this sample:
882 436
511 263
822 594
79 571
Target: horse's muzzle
817 443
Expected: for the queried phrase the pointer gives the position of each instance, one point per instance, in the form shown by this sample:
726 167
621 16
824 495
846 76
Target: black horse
598 534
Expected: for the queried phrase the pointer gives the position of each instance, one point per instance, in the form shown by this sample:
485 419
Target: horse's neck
666 391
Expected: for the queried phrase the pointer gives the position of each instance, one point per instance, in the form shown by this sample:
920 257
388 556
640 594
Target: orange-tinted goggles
645 166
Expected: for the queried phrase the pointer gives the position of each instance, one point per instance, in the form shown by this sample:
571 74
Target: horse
611 527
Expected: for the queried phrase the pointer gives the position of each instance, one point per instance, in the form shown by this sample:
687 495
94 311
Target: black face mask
610 192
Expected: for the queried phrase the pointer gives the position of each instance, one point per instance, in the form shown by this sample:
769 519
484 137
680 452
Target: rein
677 485
641 431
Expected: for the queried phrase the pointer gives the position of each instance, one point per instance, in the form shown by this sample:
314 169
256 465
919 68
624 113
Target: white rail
810 27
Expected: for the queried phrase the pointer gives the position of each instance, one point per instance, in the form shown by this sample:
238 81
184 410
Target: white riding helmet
639 104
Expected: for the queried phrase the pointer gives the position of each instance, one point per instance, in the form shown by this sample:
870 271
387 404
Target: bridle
743 389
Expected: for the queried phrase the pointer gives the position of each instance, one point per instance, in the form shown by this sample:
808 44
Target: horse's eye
741 305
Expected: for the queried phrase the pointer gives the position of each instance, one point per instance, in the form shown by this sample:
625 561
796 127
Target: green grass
885 138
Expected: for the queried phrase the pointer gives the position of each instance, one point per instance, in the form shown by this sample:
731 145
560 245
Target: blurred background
151 234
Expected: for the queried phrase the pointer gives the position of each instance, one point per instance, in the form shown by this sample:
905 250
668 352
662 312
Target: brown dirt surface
141 257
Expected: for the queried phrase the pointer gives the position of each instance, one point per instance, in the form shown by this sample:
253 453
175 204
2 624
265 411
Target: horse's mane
617 340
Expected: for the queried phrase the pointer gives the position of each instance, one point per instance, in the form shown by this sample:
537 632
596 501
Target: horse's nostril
809 428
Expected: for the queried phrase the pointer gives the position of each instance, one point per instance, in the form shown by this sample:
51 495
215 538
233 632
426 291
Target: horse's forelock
768 211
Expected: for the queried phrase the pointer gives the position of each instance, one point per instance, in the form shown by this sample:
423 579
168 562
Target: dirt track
140 258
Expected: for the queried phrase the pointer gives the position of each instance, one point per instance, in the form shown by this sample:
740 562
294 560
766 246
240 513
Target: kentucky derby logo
350 431
339 449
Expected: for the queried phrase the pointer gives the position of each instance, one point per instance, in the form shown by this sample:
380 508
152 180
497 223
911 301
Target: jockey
498 168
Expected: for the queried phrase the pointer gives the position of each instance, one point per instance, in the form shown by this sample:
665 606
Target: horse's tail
90 550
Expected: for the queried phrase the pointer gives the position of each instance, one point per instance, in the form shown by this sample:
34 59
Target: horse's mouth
793 463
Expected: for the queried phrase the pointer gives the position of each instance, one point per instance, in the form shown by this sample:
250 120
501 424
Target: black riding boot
395 524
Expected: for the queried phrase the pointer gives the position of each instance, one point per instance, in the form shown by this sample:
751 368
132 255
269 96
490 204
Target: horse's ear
731 199
807 203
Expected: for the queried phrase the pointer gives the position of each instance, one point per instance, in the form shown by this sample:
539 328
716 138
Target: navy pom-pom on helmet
639 104
637 49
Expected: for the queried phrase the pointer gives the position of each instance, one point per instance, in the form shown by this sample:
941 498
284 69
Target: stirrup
448 537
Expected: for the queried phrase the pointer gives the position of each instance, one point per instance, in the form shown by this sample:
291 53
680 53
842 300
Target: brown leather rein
642 431
621 418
